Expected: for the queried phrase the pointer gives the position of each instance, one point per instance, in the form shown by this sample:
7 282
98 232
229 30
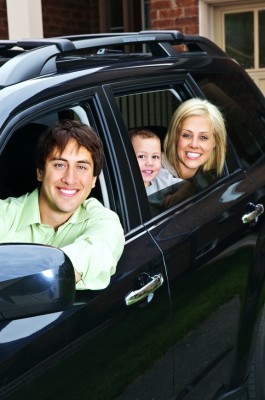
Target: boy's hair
58 135
142 132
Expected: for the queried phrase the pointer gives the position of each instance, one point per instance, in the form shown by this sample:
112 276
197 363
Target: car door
208 251
110 337
208 287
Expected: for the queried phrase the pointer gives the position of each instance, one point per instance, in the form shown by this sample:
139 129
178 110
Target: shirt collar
31 213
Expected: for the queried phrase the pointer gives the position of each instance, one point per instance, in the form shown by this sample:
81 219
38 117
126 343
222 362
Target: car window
174 194
153 110
17 160
17 166
244 113
149 109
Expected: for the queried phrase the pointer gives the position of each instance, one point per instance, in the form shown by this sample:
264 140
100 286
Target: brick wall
3 20
181 15
69 17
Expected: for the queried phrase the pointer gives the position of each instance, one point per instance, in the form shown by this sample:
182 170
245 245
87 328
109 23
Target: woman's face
195 144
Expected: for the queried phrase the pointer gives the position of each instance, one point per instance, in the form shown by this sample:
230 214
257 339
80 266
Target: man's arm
96 253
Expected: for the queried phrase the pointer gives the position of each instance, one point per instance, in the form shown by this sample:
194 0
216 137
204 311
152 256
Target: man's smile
68 192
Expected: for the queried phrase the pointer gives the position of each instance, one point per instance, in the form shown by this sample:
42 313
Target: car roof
31 58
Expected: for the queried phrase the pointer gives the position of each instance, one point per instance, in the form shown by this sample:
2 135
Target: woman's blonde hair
195 107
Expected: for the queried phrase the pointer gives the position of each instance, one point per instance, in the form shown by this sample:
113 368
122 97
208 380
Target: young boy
147 147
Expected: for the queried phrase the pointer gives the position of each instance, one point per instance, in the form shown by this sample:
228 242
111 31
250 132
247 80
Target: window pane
116 16
244 113
239 40
262 39
148 108
147 16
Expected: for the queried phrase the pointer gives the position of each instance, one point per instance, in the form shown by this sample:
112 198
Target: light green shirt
92 237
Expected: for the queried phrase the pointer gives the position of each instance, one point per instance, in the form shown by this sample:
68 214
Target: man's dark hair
58 135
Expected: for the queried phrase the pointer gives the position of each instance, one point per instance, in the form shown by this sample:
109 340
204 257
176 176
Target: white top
163 179
166 164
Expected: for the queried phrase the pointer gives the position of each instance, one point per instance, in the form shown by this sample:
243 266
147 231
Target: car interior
17 161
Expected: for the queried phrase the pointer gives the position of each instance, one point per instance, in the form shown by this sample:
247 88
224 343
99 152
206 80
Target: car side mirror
34 280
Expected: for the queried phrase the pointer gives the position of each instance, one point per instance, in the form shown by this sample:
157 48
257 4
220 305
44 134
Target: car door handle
145 291
253 214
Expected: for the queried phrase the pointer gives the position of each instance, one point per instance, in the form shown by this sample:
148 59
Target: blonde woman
196 140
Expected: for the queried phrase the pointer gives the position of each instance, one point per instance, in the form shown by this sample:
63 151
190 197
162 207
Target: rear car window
243 111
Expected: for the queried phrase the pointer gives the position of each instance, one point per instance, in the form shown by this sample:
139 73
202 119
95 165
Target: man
58 213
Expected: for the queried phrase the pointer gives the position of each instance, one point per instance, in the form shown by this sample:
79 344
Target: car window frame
101 123
163 83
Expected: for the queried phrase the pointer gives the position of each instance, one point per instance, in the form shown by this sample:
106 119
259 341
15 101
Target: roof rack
38 56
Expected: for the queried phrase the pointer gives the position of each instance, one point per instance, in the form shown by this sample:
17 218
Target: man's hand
77 276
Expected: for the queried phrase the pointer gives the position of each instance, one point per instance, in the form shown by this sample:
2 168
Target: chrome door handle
145 291
254 214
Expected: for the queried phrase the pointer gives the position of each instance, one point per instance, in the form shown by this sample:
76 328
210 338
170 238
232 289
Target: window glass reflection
116 16
262 39
239 37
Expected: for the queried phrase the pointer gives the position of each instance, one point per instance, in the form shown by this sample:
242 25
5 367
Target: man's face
67 180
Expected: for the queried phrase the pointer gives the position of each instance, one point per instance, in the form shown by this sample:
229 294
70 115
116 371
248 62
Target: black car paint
30 288
190 245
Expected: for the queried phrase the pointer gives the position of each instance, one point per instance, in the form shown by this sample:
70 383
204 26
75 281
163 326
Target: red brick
191 11
164 24
165 14
161 4
153 14
69 17
189 26
188 21
63 17
186 3
191 30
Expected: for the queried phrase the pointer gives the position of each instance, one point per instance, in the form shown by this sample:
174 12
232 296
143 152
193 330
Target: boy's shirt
163 179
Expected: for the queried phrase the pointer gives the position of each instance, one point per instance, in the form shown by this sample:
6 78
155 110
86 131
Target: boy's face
148 154
67 180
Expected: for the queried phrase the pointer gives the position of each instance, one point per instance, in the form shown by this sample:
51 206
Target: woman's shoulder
168 166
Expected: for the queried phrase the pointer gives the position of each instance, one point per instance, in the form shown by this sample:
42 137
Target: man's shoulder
92 203
13 201
95 207
12 207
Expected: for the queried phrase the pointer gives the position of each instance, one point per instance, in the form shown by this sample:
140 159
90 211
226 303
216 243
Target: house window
238 27
124 15
244 37
261 23
116 16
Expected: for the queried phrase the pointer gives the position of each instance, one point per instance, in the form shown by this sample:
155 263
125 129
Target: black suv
183 317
